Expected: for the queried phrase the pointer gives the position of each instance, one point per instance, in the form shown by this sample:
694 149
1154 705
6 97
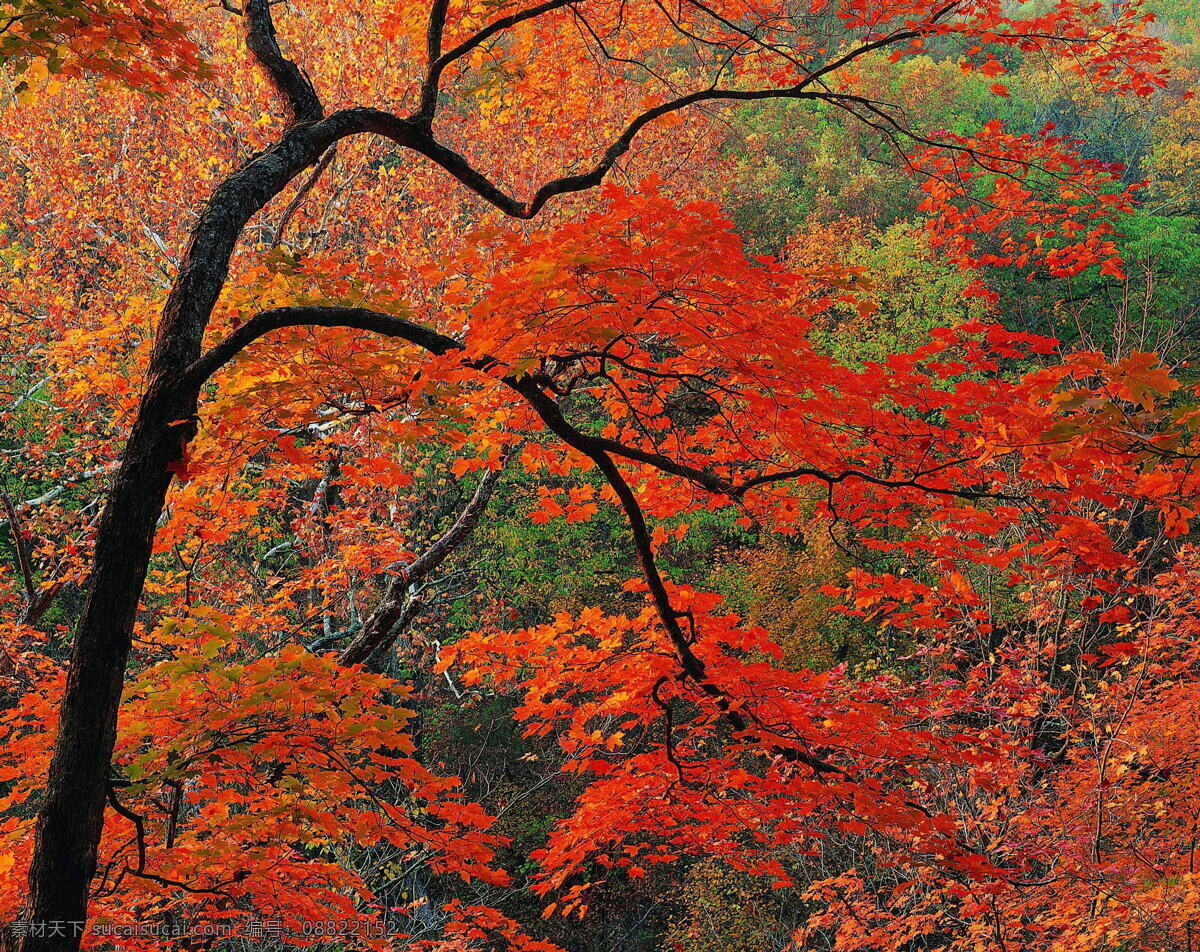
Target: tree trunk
72 816
71 821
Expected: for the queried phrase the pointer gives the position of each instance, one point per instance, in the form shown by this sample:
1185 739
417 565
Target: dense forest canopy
599 475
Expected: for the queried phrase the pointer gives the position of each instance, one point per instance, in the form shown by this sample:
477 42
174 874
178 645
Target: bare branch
387 325
294 205
547 409
399 605
19 544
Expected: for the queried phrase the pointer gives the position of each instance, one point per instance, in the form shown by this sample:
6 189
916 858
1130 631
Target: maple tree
626 355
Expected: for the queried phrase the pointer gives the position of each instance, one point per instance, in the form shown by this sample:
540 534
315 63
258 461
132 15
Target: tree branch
386 325
287 77
547 409
438 61
398 607
22 552
294 205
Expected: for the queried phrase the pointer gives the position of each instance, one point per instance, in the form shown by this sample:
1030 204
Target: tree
673 414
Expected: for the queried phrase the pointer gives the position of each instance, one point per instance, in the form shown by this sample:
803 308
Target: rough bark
72 815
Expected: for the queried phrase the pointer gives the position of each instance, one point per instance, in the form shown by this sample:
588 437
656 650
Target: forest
600 475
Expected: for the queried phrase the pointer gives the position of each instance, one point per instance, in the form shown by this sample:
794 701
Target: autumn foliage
528 539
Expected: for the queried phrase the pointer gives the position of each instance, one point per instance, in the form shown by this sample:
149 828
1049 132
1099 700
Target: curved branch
138 825
438 61
552 416
547 409
692 666
387 325
287 77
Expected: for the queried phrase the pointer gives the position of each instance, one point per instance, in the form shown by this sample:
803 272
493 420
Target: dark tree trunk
71 820
72 815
